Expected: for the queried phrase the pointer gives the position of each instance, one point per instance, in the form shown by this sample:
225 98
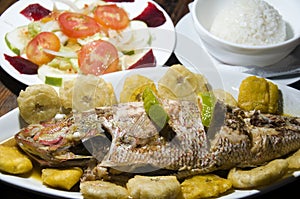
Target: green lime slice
153 108
207 104
158 115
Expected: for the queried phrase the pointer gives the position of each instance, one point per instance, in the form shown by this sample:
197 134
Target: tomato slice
44 40
77 25
98 57
111 16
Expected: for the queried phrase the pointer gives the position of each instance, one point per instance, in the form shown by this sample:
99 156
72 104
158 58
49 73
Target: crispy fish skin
252 138
137 142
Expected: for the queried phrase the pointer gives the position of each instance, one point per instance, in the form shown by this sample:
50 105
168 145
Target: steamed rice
249 22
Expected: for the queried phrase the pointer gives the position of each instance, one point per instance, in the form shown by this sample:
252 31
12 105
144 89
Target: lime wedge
207 106
153 108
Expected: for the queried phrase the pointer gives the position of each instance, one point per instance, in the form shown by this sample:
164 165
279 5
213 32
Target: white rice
249 22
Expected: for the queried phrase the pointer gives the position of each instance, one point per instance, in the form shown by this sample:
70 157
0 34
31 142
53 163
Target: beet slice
152 16
35 12
148 60
24 66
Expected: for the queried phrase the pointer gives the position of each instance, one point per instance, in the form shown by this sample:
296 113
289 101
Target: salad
91 37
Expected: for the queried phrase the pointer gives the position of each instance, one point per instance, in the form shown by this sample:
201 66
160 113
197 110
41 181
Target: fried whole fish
235 138
134 144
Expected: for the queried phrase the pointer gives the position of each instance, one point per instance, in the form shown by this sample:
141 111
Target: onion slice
68 3
61 54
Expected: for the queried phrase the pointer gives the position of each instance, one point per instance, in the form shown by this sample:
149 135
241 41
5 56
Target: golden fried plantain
204 186
259 94
61 178
225 97
13 161
39 102
66 93
158 187
90 91
134 87
101 189
178 83
294 160
203 85
258 176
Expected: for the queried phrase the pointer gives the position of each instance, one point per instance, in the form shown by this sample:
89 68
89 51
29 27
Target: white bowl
203 13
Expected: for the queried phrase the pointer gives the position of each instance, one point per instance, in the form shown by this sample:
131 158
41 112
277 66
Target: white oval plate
163 41
10 124
186 34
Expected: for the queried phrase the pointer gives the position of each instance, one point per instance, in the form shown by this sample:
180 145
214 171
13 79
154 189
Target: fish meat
124 138
137 143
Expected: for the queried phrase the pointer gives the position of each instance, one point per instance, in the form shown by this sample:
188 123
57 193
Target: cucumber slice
54 81
50 75
54 76
17 39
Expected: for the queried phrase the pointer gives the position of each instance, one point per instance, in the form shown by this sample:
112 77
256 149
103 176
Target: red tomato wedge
77 25
111 16
98 57
44 40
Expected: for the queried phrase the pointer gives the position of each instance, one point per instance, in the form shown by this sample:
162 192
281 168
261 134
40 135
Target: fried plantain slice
225 97
66 93
294 160
101 189
134 87
158 187
39 102
259 94
91 91
178 83
13 161
204 186
258 176
64 178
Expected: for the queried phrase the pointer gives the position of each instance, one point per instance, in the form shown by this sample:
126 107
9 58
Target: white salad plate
186 34
163 37
230 81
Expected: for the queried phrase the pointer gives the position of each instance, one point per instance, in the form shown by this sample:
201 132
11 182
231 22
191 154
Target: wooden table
10 88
